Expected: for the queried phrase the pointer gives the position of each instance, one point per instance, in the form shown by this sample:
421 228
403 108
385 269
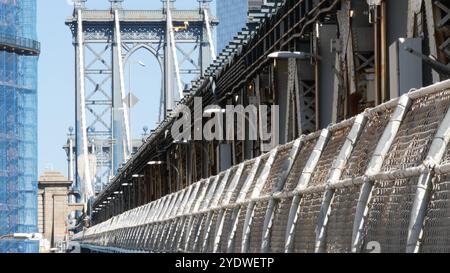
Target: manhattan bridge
363 128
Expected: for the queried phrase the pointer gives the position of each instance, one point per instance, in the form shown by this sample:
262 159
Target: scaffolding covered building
19 52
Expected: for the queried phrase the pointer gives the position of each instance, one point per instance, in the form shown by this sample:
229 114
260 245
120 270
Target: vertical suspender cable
87 173
126 121
174 52
209 33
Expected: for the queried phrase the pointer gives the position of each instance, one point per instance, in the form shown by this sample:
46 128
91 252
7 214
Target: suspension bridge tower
104 40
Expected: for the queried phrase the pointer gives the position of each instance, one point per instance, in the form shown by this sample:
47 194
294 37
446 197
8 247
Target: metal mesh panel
211 188
329 155
173 240
200 234
256 228
299 164
389 211
167 247
159 238
161 242
230 178
211 233
170 234
366 144
136 237
155 235
145 243
436 233
182 234
417 130
133 238
139 236
148 229
237 239
245 173
340 221
216 190
196 223
278 231
261 167
117 238
226 230
279 163
201 195
305 236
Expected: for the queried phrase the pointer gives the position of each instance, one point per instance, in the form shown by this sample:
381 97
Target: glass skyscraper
18 124
232 15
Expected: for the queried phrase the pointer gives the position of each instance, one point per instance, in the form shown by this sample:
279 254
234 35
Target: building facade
19 52
232 15
53 207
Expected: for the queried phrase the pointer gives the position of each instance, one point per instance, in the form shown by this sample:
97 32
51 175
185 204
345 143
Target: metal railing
401 195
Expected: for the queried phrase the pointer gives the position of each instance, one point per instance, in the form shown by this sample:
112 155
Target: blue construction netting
18 127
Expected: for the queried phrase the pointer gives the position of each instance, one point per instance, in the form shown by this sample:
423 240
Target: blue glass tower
18 124
232 15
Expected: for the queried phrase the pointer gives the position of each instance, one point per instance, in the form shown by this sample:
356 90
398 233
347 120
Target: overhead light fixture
352 13
184 141
289 55
214 111
156 163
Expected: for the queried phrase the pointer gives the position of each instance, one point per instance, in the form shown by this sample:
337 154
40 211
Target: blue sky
56 78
